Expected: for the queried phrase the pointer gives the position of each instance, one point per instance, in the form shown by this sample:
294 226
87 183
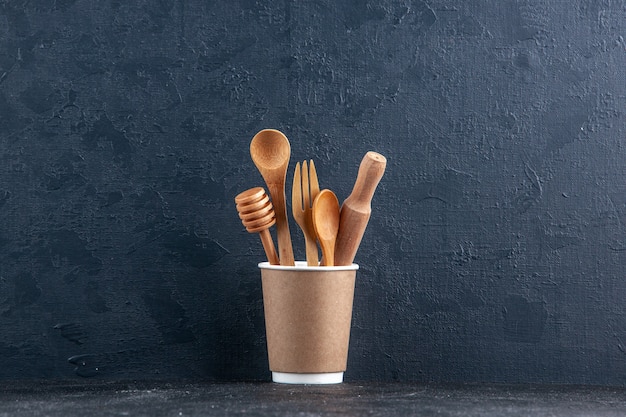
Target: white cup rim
302 266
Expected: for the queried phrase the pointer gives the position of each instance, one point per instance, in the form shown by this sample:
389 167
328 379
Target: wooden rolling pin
357 208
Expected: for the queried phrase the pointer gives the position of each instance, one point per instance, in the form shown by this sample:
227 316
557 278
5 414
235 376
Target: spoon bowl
270 149
326 223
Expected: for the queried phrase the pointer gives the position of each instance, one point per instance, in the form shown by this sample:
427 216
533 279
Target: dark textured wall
497 245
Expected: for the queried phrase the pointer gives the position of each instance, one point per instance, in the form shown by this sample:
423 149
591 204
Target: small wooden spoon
326 223
270 151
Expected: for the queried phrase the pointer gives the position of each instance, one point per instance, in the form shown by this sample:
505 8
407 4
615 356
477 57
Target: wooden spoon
326 223
270 152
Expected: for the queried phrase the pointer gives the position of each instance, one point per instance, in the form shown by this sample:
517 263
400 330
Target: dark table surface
184 398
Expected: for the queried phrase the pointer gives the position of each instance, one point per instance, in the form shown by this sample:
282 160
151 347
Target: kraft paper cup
308 312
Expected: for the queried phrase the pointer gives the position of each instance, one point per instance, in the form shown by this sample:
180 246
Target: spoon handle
285 248
356 209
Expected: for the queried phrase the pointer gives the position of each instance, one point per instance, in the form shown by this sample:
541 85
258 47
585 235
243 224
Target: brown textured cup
308 313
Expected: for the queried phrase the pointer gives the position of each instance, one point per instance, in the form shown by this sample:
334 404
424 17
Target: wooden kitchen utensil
257 215
326 223
356 209
305 189
270 151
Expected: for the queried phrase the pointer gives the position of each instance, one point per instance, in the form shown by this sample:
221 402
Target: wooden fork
305 189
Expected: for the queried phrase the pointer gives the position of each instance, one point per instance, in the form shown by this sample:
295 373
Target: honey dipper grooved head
255 210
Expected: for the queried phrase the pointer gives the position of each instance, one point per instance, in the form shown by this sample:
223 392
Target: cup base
319 378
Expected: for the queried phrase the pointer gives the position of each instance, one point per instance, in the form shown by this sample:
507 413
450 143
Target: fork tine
296 191
314 185
306 197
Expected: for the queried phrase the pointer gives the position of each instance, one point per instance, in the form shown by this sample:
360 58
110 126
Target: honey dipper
257 215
